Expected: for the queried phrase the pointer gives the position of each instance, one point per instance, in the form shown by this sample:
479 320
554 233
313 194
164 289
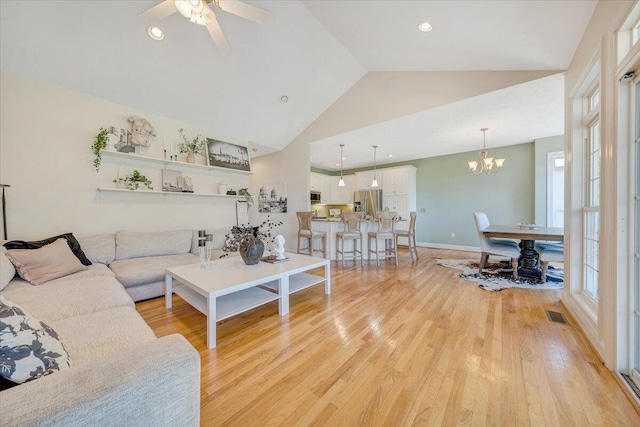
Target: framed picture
273 198
227 155
171 180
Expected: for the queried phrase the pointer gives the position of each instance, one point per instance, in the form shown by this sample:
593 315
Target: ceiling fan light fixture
183 7
155 33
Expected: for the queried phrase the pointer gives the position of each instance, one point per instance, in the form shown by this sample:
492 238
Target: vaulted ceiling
330 58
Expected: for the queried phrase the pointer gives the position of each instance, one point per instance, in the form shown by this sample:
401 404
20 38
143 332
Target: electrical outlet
453 235
423 210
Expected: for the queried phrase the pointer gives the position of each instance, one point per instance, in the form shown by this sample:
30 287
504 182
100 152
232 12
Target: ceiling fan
199 12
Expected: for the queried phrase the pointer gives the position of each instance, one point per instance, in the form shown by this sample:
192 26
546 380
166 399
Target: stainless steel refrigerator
368 201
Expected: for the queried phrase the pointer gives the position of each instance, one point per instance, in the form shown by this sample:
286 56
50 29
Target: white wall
45 156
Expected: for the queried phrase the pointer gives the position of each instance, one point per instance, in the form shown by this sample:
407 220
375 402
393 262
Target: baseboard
445 246
582 321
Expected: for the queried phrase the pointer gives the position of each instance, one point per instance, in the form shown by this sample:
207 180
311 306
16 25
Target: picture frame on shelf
172 181
227 155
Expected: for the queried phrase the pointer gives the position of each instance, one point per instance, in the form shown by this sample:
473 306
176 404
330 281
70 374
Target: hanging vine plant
99 143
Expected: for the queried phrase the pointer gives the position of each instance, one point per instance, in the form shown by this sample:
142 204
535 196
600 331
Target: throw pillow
71 241
29 349
6 270
37 266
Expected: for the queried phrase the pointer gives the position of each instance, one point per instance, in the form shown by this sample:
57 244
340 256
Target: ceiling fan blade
246 11
158 12
215 31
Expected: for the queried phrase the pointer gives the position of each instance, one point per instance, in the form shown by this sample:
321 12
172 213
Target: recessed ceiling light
344 158
155 33
389 155
337 164
425 27
284 98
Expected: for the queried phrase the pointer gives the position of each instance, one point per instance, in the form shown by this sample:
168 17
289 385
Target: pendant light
374 183
341 182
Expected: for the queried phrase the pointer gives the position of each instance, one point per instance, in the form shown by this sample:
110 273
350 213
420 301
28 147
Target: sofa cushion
99 247
63 299
49 262
139 271
93 336
71 241
134 244
29 349
7 271
94 270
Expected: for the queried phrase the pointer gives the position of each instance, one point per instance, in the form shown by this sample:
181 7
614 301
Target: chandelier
486 164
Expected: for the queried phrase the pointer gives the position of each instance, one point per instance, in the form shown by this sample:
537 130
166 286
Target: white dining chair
306 232
491 246
351 232
386 233
549 252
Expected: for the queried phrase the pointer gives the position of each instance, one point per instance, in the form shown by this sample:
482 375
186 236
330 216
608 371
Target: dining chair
386 233
491 246
351 231
306 232
410 234
549 252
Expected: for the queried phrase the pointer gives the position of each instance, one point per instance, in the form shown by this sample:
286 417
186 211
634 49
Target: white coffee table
230 287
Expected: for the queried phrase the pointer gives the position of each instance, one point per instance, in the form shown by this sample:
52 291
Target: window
591 208
635 33
635 273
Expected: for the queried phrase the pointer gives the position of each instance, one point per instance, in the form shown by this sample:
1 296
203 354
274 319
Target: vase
251 251
222 188
191 158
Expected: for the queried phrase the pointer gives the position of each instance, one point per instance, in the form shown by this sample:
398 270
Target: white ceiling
314 51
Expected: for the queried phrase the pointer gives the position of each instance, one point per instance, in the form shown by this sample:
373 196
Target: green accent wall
450 193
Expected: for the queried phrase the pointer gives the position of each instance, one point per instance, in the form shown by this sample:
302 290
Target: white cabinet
348 189
365 178
395 181
315 181
400 204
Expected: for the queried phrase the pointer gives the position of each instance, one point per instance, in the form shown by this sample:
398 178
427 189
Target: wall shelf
157 160
166 193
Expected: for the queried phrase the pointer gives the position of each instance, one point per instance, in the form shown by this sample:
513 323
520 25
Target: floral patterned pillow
29 349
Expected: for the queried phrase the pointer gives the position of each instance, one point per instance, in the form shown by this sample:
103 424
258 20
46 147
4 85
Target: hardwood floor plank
412 344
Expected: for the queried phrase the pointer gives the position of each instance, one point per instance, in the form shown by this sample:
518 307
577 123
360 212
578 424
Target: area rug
496 276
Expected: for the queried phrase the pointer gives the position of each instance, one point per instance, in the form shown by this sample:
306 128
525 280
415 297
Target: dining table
529 261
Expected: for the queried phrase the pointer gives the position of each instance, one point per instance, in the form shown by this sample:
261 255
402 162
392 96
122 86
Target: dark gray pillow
71 241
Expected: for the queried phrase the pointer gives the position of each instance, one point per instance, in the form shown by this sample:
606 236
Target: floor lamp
4 211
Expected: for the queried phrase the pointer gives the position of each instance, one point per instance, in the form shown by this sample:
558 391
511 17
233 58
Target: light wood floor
397 346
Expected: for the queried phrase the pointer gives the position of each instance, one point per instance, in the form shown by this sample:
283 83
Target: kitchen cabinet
398 203
396 180
348 189
365 178
315 181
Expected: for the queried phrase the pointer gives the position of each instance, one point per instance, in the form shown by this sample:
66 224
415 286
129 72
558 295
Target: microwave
315 197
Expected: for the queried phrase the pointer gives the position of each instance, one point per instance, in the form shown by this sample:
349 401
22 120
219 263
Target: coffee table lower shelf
297 282
228 305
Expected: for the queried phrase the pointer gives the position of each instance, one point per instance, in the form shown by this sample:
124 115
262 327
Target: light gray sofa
139 259
120 373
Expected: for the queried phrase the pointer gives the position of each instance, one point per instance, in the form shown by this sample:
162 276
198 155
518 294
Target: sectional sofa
119 373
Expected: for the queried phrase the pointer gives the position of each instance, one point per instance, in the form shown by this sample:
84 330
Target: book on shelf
273 260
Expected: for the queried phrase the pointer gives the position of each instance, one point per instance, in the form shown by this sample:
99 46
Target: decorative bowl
526 226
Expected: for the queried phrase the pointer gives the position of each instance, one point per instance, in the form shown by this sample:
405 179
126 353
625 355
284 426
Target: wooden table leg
529 261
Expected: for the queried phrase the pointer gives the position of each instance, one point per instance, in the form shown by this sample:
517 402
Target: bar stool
410 234
305 232
385 232
352 232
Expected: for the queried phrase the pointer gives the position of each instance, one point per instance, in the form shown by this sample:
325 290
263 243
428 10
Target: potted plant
250 241
99 143
134 180
193 147
247 196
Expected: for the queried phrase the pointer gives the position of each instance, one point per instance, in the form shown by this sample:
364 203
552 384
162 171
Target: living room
70 83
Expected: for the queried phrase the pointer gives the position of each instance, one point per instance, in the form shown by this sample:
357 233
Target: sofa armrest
155 384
